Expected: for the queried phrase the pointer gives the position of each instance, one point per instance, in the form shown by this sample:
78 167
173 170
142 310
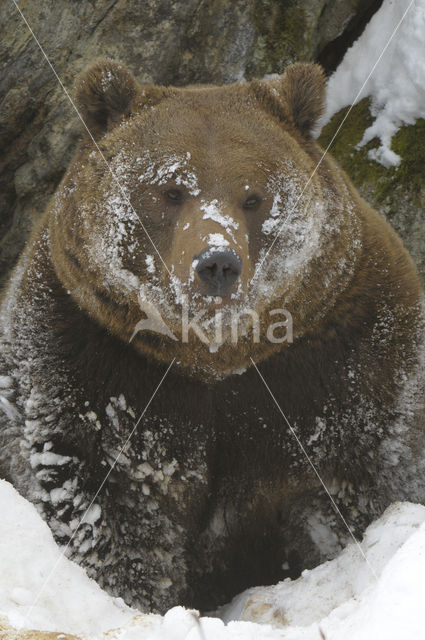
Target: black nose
218 268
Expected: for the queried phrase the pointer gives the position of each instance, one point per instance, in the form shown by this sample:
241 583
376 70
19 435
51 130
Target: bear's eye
174 195
252 202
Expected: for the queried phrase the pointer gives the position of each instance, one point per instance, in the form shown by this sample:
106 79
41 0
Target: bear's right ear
104 94
107 92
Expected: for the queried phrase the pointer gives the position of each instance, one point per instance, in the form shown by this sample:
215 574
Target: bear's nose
218 268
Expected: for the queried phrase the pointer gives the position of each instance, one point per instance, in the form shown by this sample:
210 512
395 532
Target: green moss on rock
397 192
282 36
409 175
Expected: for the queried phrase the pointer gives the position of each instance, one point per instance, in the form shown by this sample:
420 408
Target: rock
398 193
9 633
162 41
306 30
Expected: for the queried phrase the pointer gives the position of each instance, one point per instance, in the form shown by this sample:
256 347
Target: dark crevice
105 15
333 53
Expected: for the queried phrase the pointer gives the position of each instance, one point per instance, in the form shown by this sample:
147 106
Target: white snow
174 166
216 240
5 382
212 211
297 226
8 408
40 589
37 591
273 222
397 84
150 264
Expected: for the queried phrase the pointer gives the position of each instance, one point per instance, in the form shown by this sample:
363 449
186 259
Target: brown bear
198 240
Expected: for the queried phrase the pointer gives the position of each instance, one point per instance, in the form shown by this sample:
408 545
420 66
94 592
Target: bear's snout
218 269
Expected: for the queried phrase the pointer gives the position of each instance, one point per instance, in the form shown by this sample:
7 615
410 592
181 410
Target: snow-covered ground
396 84
347 598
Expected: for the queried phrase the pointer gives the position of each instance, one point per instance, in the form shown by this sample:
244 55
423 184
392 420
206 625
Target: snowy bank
388 126
397 82
345 598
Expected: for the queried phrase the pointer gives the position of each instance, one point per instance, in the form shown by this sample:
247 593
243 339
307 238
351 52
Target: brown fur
242 496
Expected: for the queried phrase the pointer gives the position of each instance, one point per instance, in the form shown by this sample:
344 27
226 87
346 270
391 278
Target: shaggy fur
212 493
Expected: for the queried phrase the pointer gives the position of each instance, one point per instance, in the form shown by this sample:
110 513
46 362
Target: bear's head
195 221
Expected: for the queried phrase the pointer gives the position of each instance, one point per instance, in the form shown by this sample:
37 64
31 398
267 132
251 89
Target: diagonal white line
43 586
309 460
124 195
257 270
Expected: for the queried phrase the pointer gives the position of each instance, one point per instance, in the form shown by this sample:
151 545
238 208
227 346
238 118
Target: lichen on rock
398 193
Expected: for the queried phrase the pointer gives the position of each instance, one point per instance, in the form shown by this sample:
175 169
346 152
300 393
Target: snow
174 166
212 211
38 592
5 382
216 240
273 222
8 408
150 263
397 84
40 589
297 226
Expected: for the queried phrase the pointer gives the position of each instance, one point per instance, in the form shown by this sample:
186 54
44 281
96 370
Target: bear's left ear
298 96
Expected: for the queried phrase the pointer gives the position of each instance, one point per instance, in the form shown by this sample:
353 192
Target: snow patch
212 212
216 240
397 84
150 264
341 597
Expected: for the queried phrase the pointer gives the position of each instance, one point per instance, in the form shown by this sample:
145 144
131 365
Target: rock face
162 41
398 193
